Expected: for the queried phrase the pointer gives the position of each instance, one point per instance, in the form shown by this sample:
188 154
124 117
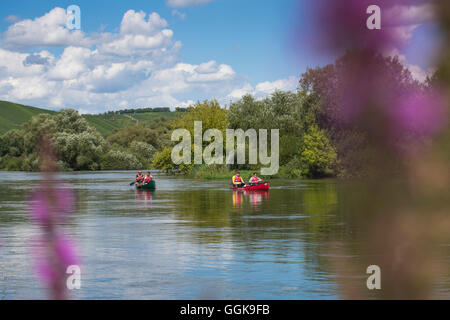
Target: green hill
13 116
109 123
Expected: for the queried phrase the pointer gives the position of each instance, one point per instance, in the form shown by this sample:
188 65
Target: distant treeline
145 110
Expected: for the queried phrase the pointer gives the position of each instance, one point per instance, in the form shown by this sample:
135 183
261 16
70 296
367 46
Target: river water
189 239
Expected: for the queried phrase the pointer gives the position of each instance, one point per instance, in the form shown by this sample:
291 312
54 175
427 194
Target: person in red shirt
254 179
139 178
148 178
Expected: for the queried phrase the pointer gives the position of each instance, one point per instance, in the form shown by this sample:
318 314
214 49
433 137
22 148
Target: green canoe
149 186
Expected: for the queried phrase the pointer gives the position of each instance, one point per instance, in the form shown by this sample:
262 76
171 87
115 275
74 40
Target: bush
31 163
143 151
3 147
118 160
163 161
80 151
318 157
11 163
13 141
292 169
126 136
62 166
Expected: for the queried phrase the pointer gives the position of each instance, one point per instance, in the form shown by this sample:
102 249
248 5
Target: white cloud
420 74
138 65
410 14
29 88
46 31
13 64
207 67
186 104
72 63
417 72
268 87
265 88
186 3
238 93
136 23
131 43
12 18
404 19
179 14
210 72
114 77
138 35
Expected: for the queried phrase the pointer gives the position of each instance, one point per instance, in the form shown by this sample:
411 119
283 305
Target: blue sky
249 35
192 49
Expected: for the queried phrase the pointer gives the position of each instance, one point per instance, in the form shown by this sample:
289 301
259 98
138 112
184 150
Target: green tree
13 141
78 146
248 113
144 152
210 113
212 116
71 122
118 160
135 133
318 157
163 161
3 147
80 151
283 111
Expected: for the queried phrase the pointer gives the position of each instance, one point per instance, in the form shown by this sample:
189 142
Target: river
189 239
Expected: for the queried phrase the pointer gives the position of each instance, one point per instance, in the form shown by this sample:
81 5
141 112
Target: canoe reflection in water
144 197
256 198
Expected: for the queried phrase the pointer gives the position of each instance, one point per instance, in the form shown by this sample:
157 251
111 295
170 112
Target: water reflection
192 238
144 197
237 198
255 198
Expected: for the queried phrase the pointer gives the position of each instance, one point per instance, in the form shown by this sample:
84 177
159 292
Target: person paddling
237 180
139 178
148 178
254 179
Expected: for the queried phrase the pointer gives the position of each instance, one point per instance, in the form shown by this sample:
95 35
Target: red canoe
263 186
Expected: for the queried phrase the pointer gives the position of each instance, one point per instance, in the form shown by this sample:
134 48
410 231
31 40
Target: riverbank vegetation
79 146
305 150
314 139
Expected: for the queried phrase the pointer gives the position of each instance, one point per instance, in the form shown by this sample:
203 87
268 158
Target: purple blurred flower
49 204
420 113
40 207
53 252
65 251
342 25
52 256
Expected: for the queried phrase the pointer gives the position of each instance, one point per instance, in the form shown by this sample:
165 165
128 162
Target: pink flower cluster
387 101
49 203
53 252
342 25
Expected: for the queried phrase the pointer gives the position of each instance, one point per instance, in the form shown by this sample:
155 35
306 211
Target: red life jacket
237 179
255 179
148 179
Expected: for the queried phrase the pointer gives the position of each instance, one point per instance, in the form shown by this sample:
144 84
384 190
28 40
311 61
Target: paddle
132 183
